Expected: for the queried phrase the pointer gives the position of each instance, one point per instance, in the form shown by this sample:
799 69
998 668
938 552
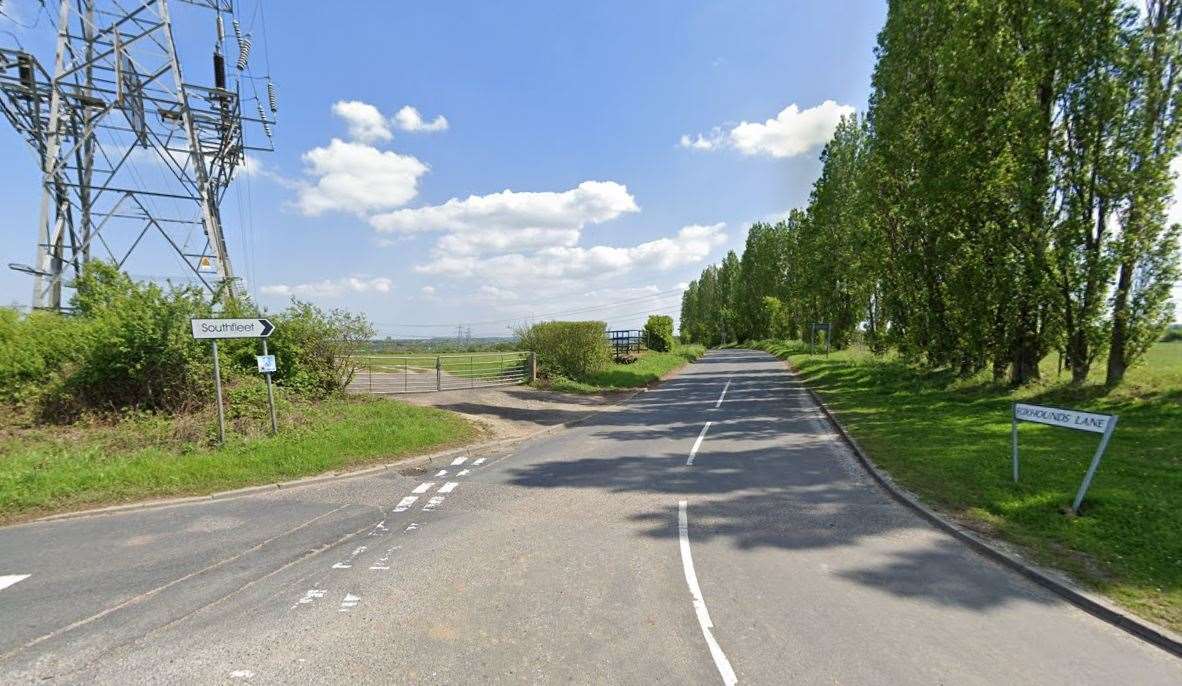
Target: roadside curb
1091 603
411 461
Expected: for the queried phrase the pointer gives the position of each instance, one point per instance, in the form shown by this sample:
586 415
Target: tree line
1004 197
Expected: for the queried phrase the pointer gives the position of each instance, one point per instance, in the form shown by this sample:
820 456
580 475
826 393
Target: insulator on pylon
243 52
272 98
237 30
221 31
263 119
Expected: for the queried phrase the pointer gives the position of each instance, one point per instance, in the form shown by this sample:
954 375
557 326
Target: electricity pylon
128 147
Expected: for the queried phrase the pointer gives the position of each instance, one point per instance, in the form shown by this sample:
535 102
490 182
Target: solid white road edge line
7 580
697 444
691 579
723 395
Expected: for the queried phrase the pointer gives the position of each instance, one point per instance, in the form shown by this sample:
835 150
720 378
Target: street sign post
1079 420
214 329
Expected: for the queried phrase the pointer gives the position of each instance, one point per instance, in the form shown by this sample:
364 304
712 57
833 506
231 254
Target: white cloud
512 221
409 119
358 178
428 290
329 288
792 132
366 123
691 245
494 293
589 203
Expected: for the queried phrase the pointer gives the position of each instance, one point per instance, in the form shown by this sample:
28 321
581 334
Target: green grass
45 470
649 367
948 440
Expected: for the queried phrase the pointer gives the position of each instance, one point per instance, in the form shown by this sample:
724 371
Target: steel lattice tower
114 100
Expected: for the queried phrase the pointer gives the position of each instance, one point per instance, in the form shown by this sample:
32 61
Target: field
649 367
949 441
49 469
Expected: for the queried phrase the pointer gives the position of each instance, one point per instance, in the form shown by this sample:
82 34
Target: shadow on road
769 475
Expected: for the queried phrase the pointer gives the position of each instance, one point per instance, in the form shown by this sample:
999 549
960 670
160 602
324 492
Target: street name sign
1068 419
231 328
1079 420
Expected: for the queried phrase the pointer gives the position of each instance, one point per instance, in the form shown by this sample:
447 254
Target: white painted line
697 444
413 526
310 597
433 503
349 602
458 461
691 580
479 461
464 472
448 487
728 385
404 504
7 580
241 674
441 472
423 487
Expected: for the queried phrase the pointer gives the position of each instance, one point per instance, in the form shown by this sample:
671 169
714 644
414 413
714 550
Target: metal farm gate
427 373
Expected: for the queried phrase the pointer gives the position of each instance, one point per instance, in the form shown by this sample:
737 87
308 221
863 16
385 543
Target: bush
570 349
658 333
129 348
32 350
135 350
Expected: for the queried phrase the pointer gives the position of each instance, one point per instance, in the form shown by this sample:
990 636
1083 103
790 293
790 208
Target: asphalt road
639 547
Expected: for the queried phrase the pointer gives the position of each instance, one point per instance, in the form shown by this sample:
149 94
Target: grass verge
649 367
44 470
948 440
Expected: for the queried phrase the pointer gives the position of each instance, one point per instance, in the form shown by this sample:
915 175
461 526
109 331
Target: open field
949 441
50 469
649 367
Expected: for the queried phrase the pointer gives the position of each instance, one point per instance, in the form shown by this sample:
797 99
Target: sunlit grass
649 367
46 470
948 440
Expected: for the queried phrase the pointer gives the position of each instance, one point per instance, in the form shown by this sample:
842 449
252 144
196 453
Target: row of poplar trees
1005 196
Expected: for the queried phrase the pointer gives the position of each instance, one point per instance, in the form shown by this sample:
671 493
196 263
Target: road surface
640 547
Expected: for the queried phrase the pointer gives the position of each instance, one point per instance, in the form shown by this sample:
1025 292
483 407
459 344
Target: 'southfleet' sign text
231 328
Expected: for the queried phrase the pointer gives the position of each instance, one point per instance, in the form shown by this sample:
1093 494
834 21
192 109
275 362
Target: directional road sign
231 328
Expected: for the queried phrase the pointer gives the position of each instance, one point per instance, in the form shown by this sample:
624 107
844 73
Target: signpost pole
270 396
1083 488
217 384
1014 438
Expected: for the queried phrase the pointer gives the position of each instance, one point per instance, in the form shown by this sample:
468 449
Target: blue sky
598 154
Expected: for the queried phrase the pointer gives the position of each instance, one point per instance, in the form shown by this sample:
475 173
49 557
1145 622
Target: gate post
438 373
533 366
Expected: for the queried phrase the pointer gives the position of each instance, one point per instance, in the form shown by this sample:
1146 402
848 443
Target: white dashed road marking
241 674
349 602
448 487
7 580
423 487
691 580
464 472
433 503
479 461
404 504
461 460
441 472
310 597
697 444
728 385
